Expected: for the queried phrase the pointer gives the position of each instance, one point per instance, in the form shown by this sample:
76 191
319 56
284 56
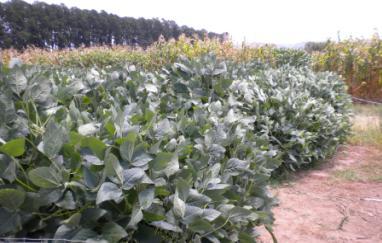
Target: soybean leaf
163 128
239 214
89 129
136 217
11 198
183 188
67 201
96 145
113 232
15 147
166 226
53 139
140 157
73 220
10 171
151 216
73 233
45 177
163 160
127 147
109 191
146 197
200 225
179 207
234 166
113 167
131 177
211 214
10 221
90 216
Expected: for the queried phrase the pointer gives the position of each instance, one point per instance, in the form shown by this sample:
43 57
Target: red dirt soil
317 207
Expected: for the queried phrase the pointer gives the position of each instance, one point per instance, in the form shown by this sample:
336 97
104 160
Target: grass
371 172
367 125
347 175
367 131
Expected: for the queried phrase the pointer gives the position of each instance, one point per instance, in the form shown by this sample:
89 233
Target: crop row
180 154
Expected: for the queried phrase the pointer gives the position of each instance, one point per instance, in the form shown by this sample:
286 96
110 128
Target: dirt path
340 201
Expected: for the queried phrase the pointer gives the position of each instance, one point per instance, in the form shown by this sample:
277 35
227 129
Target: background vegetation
56 26
359 61
158 54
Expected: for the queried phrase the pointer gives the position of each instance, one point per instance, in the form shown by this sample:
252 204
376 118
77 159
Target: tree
57 26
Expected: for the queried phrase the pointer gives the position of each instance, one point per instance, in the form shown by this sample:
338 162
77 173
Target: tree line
57 26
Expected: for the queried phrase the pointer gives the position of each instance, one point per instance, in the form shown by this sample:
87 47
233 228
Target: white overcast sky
270 21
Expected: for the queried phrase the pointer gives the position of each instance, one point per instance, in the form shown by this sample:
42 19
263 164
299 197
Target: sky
255 21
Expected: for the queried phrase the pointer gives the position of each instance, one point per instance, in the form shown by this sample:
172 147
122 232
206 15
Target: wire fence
31 240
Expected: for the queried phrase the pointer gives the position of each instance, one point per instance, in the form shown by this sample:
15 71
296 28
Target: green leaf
161 161
172 166
183 67
11 198
179 208
89 129
90 217
146 197
7 108
18 82
151 88
235 166
161 191
113 232
53 139
246 238
67 201
210 214
128 145
112 166
96 146
9 221
166 226
150 217
110 128
109 191
84 235
131 177
140 157
136 217
180 88
10 172
73 220
74 233
191 213
45 177
91 178
163 128
240 214
200 225
222 85
15 147
182 188
92 159
72 157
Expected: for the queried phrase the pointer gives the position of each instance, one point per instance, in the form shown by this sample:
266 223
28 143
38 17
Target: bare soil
340 201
